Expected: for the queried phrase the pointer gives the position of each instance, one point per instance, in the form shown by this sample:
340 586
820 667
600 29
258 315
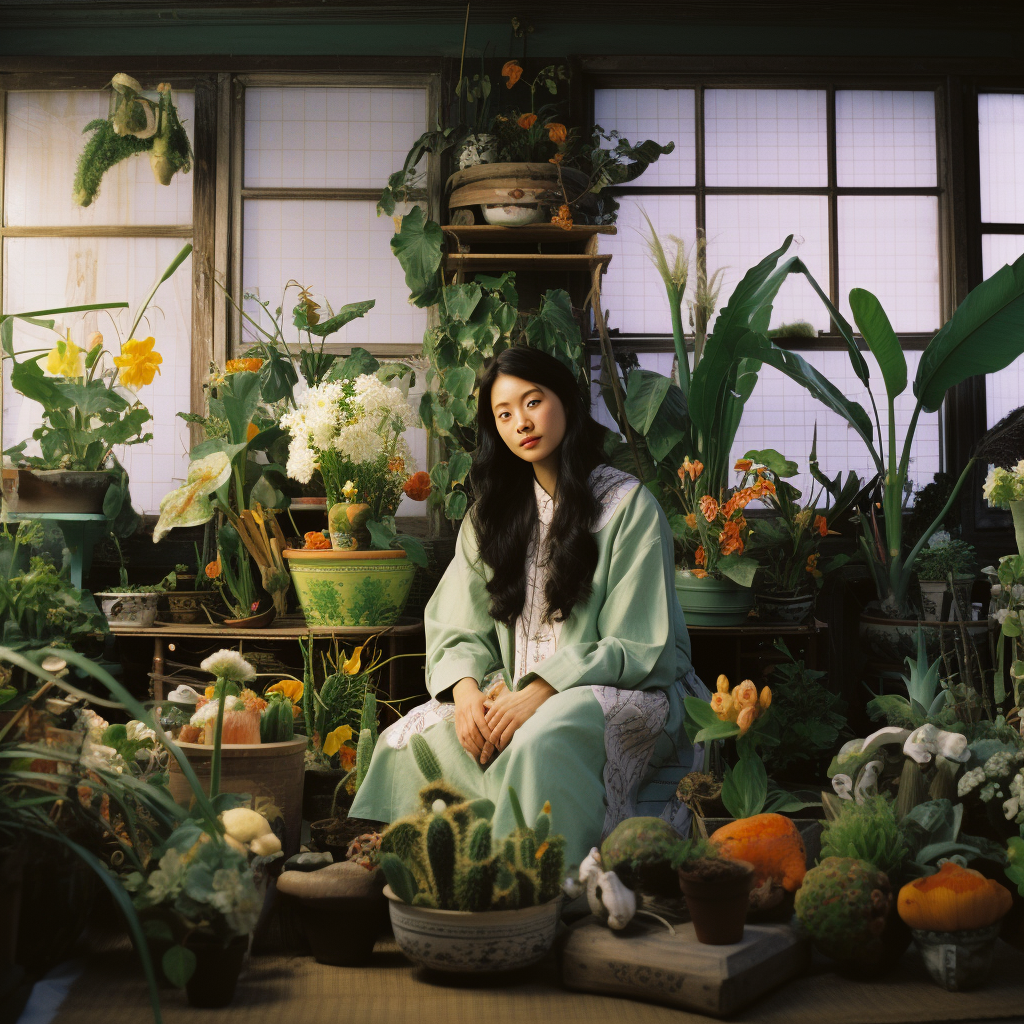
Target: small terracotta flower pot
718 894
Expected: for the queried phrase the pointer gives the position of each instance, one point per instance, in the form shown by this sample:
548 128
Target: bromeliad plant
89 395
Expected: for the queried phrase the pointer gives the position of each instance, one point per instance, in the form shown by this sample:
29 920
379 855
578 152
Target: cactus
426 759
479 847
364 753
441 854
482 808
440 790
542 826
517 810
369 716
399 877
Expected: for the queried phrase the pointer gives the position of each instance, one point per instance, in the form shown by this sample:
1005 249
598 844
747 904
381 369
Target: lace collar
609 485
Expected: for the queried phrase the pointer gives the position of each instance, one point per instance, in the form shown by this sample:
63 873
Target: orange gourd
771 843
952 900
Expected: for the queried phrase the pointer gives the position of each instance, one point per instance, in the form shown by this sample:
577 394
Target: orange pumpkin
952 900
771 843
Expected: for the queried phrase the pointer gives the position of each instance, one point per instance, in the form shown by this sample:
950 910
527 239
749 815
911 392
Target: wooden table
177 650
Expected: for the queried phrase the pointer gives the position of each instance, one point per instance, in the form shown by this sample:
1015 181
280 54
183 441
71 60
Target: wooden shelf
496 262
496 234
286 627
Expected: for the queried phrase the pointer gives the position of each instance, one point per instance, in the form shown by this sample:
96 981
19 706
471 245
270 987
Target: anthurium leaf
29 380
189 505
277 376
240 394
344 315
881 340
360 361
91 398
645 391
418 249
738 569
985 334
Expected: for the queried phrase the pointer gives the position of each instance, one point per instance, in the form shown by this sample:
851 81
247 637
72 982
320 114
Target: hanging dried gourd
138 122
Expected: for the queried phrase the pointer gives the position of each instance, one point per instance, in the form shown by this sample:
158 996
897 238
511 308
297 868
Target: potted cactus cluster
460 900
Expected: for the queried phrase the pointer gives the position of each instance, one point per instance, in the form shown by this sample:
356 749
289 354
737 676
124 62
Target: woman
563 578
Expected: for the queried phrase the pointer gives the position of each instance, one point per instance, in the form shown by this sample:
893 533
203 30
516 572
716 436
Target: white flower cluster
226 664
354 418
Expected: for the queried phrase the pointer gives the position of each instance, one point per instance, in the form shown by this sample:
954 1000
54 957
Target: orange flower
722 705
316 541
563 218
701 557
238 365
708 508
513 72
743 465
690 469
745 695
347 758
396 465
821 525
812 566
527 121
745 719
418 486
213 569
762 487
556 159
729 541
699 574
556 132
765 700
251 431
691 520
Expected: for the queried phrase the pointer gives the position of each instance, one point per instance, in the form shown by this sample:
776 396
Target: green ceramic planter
351 588
711 602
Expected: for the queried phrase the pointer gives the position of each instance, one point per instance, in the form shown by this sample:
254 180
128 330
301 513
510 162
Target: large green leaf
881 339
656 409
985 334
459 382
645 391
458 301
344 315
28 379
418 248
773 460
738 569
93 397
745 787
240 394
553 329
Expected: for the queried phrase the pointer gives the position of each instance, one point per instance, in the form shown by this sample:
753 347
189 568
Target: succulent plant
639 851
843 906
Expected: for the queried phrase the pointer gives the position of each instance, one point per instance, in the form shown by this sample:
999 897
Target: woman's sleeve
635 622
460 633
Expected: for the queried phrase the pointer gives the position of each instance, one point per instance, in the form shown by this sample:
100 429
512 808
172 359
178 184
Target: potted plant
943 560
787 543
717 892
90 404
1004 488
351 430
192 592
461 899
133 604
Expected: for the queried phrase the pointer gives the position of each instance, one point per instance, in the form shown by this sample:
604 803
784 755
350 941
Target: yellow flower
745 719
349 490
334 740
722 705
251 363
291 688
546 809
766 699
65 359
691 520
541 850
351 667
745 695
722 684
138 363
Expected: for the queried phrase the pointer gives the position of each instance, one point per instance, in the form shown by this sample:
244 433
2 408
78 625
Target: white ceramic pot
130 609
932 593
464 942
514 216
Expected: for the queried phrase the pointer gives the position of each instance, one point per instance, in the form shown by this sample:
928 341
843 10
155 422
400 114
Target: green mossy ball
843 906
639 851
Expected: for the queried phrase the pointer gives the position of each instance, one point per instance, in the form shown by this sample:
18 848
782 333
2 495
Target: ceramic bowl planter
890 641
130 609
55 490
513 216
504 185
351 588
958 961
717 895
466 942
185 606
785 609
711 602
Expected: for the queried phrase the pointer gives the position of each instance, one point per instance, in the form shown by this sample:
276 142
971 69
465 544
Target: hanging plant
138 123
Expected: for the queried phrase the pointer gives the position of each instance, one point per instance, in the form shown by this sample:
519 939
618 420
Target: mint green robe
621 658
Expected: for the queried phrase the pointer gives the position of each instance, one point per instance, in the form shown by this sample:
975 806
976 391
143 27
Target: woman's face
530 413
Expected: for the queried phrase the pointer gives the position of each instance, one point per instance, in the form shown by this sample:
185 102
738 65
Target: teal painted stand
80 536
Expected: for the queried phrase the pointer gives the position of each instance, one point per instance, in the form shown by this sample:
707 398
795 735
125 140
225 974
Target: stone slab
646 962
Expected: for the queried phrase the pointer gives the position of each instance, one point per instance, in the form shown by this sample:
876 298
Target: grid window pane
329 138
41 273
340 249
1001 150
742 230
885 139
765 137
889 245
632 292
44 139
664 115
1004 390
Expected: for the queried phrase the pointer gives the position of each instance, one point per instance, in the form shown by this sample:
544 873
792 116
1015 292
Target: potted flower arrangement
89 405
943 560
459 900
1004 488
351 431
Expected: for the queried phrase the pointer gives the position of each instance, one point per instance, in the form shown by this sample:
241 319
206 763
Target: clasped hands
486 722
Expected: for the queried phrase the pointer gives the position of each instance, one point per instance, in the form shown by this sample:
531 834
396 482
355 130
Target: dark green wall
186 34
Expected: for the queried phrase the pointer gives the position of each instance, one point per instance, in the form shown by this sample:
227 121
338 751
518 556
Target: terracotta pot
342 930
213 983
258 621
55 490
717 896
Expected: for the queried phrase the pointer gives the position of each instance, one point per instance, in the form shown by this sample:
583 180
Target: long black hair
505 512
